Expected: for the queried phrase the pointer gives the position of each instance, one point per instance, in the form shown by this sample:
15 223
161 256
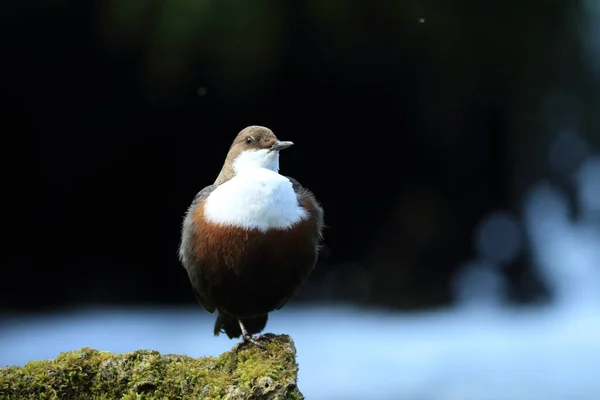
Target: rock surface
245 372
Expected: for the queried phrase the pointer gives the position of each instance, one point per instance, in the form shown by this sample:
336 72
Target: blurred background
454 146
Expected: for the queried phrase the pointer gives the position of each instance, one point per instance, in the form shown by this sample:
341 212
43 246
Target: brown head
254 146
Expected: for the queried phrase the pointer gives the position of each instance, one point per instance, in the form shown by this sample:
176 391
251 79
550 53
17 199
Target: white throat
251 159
257 197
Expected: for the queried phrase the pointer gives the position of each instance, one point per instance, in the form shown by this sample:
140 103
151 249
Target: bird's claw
254 340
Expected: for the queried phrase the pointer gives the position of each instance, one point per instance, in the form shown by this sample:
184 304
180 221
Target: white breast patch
255 199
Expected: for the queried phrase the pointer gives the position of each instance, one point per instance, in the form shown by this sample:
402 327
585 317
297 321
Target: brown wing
307 200
187 255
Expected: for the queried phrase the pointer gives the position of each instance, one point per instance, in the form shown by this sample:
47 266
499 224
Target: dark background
413 121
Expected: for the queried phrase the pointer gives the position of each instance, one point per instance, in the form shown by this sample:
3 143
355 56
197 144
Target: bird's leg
247 338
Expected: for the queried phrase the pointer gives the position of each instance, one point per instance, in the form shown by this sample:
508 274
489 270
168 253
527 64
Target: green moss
244 373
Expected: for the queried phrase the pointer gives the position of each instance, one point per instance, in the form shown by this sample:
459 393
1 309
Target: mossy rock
245 372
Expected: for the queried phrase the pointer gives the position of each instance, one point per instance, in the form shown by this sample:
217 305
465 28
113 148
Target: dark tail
231 327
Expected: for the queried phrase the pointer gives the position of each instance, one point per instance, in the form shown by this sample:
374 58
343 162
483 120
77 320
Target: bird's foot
255 340
248 338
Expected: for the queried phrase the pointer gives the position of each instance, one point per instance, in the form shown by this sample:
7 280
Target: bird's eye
249 139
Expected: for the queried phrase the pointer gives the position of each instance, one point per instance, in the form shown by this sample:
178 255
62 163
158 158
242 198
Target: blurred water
354 354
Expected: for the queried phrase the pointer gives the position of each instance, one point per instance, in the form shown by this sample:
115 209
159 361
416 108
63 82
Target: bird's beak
279 145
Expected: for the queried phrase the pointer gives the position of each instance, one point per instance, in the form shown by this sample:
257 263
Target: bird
250 240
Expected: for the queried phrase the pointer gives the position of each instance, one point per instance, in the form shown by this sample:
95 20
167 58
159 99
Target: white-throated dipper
250 240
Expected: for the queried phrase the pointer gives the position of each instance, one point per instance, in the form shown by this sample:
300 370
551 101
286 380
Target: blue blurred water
347 353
